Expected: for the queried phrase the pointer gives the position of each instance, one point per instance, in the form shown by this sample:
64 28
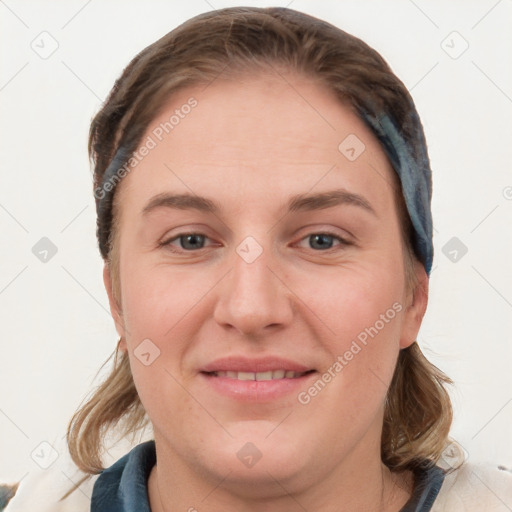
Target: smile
255 379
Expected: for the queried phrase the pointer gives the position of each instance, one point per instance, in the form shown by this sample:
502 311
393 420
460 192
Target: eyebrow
297 203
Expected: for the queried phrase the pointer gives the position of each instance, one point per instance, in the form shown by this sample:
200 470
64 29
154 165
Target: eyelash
167 244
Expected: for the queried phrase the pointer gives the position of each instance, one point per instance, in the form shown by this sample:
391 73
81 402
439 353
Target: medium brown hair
418 411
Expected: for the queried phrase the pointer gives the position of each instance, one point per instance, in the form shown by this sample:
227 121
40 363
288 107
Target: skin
249 145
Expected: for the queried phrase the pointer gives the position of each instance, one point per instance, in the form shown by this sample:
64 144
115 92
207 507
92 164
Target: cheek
154 311
351 302
365 317
163 309
156 300
362 314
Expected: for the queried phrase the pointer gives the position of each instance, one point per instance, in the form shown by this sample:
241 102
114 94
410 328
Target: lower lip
256 390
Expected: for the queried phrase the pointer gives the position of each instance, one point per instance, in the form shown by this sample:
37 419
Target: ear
416 306
115 308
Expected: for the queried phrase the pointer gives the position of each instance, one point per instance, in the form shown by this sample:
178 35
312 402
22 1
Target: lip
255 390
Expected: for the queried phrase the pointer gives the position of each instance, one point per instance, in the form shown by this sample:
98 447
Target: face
263 325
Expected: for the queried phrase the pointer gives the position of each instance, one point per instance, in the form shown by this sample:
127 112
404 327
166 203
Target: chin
264 479
255 458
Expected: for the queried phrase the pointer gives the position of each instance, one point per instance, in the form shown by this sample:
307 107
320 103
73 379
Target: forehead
257 137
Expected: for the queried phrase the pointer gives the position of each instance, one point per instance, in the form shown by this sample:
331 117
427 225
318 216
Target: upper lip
260 364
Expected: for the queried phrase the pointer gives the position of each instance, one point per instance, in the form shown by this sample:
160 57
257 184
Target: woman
276 361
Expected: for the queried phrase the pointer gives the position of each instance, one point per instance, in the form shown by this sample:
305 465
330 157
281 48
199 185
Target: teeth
264 375
270 375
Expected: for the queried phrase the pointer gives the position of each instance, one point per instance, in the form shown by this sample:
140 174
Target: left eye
323 241
192 241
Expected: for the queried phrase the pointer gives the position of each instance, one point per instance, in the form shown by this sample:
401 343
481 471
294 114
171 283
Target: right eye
187 241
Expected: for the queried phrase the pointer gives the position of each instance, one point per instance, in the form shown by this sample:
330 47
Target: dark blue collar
123 486
427 485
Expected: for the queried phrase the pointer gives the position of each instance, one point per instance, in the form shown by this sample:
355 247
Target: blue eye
190 242
323 241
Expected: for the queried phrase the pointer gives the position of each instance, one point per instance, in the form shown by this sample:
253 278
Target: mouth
259 376
255 379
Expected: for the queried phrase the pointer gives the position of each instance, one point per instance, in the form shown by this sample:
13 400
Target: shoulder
41 490
474 487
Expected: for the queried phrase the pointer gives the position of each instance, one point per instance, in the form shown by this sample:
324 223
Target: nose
254 297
